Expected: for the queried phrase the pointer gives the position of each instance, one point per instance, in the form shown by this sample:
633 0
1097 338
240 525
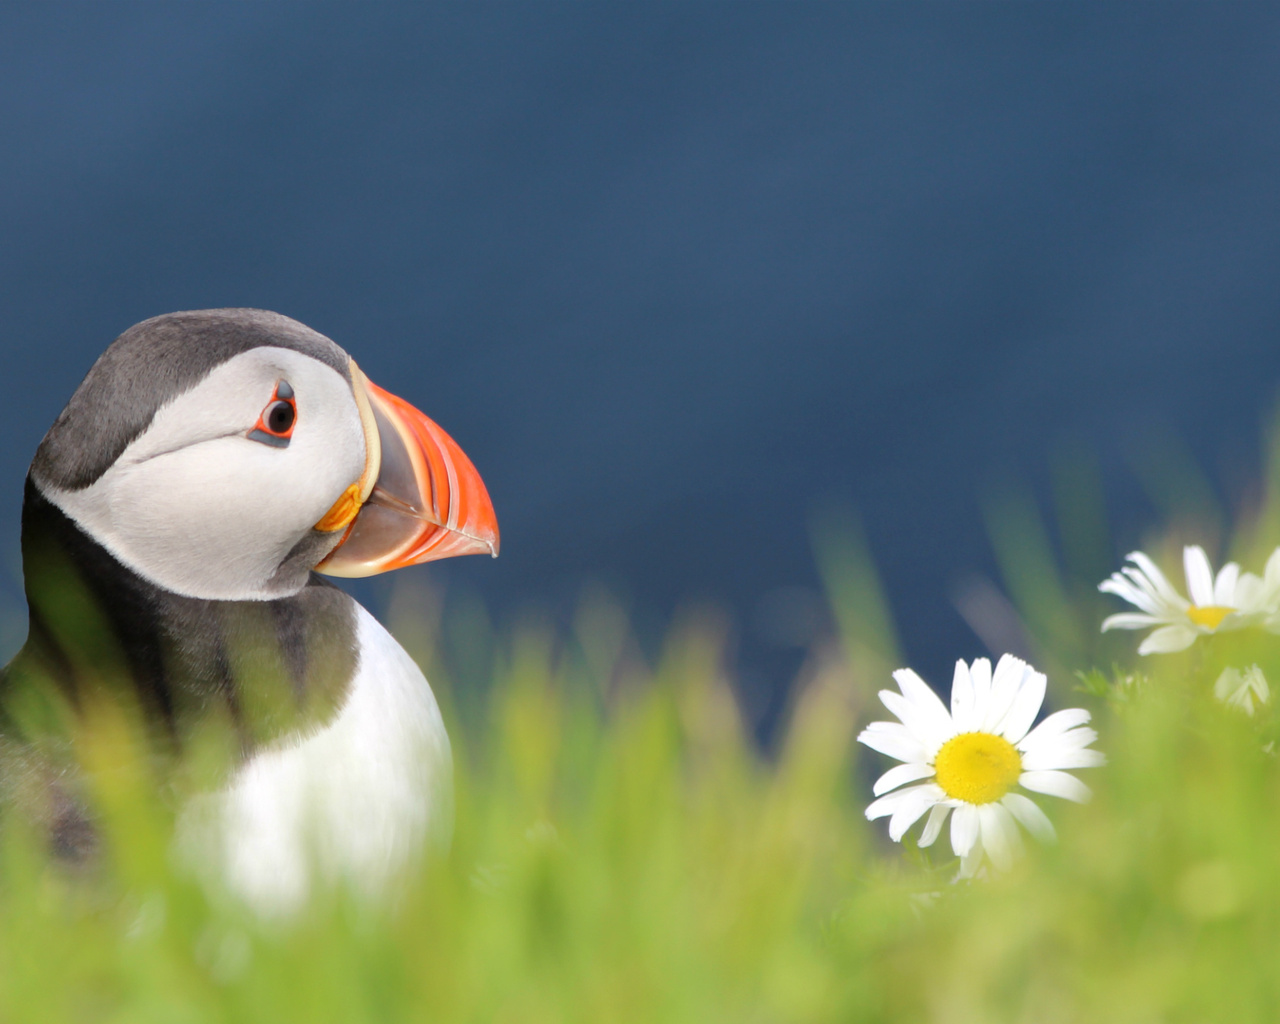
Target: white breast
353 803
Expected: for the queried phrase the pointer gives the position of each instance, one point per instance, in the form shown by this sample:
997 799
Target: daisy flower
1228 601
1241 689
969 759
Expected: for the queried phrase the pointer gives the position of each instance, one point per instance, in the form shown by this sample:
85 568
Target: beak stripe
426 502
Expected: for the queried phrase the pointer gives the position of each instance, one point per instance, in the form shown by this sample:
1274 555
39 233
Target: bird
180 522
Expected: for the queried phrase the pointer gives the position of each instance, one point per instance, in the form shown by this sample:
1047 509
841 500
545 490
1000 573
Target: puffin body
174 520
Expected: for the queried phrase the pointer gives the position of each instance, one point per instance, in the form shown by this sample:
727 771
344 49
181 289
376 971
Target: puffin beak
419 499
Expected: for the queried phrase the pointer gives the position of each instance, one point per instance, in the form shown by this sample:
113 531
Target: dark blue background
677 275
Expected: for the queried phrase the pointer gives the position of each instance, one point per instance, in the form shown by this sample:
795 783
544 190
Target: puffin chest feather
352 802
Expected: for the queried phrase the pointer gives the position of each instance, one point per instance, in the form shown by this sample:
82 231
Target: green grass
624 852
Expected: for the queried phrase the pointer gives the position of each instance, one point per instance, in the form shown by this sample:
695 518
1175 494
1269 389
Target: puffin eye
279 417
275 424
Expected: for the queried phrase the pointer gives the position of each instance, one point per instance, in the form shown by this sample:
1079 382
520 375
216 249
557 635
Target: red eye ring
276 421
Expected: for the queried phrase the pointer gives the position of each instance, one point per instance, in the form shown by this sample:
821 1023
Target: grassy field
623 851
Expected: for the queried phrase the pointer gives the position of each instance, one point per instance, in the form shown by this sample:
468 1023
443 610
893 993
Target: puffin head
224 454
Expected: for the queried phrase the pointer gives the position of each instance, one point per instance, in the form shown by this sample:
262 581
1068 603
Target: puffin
180 521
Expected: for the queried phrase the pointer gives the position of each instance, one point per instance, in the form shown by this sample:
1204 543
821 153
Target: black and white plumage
174 517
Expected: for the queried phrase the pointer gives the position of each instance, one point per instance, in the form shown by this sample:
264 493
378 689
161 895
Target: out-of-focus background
682 278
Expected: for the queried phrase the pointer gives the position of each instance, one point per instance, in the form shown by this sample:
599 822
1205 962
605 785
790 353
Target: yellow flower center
977 767
1210 615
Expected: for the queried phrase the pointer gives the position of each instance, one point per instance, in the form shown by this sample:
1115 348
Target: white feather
353 803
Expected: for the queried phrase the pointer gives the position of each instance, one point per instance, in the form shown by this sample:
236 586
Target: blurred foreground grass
623 852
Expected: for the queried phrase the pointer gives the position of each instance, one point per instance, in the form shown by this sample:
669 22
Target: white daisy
1241 689
1229 601
972 757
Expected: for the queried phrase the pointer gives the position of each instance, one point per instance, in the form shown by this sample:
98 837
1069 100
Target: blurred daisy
1262 596
1241 689
970 759
1229 601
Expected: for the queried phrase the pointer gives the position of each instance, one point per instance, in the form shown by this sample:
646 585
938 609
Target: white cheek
216 519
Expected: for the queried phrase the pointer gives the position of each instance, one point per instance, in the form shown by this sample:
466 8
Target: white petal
1081 736
916 721
1258 681
909 812
1055 725
891 803
970 863
888 703
932 711
1250 595
1165 603
1272 571
1270 574
1168 639
933 824
893 739
1239 688
962 700
1009 674
1056 783
1224 587
980 674
919 692
1229 685
1033 819
1195 564
1025 707
1072 739
1130 620
1050 758
1160 594
999 834
1126 590
964 829
1155 580
900 775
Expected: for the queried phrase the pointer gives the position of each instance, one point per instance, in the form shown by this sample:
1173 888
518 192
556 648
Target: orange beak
420 497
